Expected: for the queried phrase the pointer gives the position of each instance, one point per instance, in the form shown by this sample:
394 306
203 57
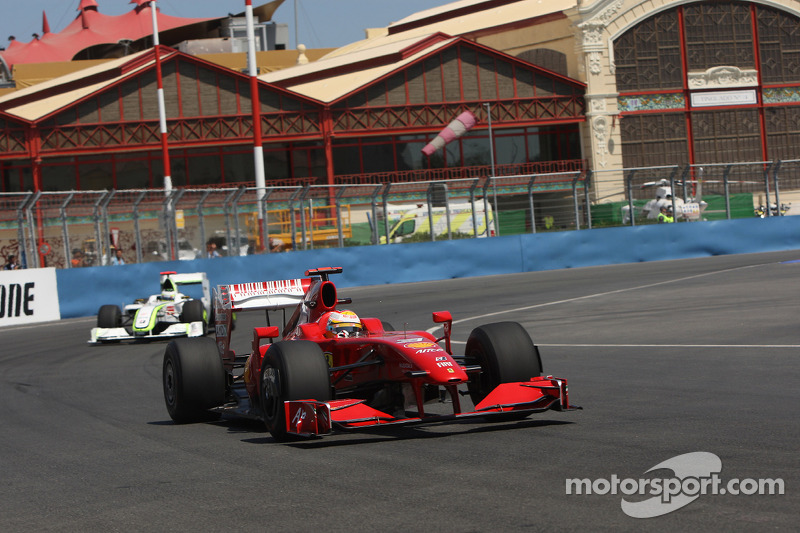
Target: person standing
11 263
211 250
117 259
665 216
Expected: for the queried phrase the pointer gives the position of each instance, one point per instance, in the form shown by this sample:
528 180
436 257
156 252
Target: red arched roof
91 28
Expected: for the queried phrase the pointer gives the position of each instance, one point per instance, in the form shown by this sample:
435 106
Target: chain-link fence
90 228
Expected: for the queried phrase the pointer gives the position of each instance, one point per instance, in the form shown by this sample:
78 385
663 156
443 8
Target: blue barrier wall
81 291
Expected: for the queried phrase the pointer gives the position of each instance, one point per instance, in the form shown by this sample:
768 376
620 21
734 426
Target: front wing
186 329
308 418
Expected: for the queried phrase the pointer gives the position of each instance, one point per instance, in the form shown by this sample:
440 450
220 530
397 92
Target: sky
321 23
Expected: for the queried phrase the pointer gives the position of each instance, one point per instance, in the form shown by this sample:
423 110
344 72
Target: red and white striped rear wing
269 295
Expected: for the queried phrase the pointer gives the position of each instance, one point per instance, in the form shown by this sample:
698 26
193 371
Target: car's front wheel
506 354
193 379
291 370
109 316
193 312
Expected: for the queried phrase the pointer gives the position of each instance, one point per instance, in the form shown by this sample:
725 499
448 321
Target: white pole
258 149
162 110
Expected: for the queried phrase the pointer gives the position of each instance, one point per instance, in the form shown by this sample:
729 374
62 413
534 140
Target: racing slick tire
506 354
193 312
194 380
109 316
291 370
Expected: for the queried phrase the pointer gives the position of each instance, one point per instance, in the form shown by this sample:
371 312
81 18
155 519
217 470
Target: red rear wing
269 295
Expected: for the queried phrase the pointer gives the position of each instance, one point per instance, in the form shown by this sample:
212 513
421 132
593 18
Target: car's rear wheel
291 370
193 379
506 354
109 316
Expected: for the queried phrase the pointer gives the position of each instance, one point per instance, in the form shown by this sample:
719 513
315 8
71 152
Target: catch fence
68 229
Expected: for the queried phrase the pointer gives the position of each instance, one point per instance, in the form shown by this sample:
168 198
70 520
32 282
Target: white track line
597 295
793 346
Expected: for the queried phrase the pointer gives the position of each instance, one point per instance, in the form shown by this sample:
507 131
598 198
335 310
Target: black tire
109 316
194 379
193 312
211 327
387 326
506 354
291 370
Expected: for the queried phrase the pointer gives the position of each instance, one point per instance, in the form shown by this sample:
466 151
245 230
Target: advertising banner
28 296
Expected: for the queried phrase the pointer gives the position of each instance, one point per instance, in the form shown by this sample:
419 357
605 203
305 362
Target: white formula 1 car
167 314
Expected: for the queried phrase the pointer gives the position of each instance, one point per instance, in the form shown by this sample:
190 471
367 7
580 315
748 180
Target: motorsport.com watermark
695 474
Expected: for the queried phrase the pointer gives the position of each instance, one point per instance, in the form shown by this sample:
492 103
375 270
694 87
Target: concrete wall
82 291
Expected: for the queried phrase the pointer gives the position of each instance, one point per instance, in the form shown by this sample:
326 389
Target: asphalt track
666 358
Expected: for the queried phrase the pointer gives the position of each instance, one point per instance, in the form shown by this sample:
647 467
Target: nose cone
440 366
448 372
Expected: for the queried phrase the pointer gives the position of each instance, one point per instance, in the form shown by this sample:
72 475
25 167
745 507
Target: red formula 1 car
331 370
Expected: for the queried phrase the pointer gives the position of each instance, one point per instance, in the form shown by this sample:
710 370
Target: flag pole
258 148
162 120
162 113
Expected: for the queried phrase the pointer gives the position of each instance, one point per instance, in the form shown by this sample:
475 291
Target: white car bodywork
159 316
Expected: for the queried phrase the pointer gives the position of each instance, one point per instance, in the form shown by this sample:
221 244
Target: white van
407 220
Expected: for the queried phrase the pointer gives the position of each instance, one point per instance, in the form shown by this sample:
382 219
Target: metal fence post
429 201
628 186
531 205
265 220
495 215
238 238
98 237
62 211
165 207
32 227
385 199
777 167
575 201
201 217
310 223
23 222
107 236
226 213
672 188
337 199
291 228
136 230
21 239
684 179
168 218
767 168
303 226
586 184
725 174
472 204
175 198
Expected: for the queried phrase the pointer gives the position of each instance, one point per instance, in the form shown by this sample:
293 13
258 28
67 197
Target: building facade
602 85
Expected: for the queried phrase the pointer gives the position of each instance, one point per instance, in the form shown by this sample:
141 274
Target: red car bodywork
361 369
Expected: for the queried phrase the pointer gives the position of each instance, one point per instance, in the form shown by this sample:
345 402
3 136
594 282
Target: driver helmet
168 290
343 324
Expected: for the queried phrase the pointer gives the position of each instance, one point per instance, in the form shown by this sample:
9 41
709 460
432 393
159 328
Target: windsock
461 125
